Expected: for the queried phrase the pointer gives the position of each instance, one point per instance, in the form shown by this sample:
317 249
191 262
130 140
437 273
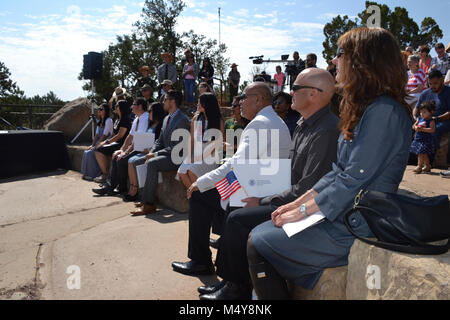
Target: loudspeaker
92 66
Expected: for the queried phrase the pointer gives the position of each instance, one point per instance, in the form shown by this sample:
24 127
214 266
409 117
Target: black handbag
403 223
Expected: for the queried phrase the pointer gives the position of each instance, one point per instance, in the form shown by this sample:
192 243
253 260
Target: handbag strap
419 247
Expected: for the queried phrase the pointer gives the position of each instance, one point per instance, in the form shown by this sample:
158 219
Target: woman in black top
207 72
121 129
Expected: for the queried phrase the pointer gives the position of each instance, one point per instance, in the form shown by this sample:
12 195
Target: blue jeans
189 86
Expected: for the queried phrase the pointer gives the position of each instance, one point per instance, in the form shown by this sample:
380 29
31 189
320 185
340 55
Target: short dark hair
285 96
312 55
424 48
435 74
175 95
142 102
428 105
439 45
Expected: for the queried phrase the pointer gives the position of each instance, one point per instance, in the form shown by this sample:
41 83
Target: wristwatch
303 210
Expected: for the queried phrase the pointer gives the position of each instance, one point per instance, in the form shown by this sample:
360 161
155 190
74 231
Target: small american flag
228 185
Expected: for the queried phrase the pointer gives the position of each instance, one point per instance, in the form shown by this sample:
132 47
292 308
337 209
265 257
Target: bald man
313 150
205 201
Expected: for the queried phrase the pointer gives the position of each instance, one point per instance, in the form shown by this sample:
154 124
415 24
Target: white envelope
141 172
261 178
143 140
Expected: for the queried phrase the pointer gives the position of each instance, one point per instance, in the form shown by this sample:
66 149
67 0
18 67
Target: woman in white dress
206 118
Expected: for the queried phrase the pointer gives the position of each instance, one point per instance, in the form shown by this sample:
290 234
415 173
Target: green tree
153 34
332 31
8 88
404 28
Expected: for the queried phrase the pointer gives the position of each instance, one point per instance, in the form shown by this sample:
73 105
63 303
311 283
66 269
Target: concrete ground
53 230
50 223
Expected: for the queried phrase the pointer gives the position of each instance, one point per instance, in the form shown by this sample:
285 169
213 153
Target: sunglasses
296 87
339 53
246 95
100 109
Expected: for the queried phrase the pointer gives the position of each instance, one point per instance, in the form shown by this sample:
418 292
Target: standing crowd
385 97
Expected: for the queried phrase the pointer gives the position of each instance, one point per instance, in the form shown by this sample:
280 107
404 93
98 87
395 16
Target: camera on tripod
257 59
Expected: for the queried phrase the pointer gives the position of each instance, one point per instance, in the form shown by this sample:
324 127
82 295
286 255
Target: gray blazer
164 144
172 72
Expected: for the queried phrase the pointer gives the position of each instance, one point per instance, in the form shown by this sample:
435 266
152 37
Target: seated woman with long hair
89 165
207 117
373 152
121 129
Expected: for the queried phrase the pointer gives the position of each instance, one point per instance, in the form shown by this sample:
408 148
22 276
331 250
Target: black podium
31 151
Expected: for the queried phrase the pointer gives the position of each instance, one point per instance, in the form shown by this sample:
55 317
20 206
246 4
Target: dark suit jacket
164 144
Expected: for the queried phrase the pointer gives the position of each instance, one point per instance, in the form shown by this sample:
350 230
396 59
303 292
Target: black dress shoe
129 198
106 190
214 243
192 268
230 291
211 289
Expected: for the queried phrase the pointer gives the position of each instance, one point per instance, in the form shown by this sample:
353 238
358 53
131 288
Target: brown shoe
140 204
145 210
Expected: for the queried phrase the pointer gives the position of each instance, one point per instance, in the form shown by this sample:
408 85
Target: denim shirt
375 159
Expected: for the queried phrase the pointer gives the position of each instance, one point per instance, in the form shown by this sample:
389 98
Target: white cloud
47 54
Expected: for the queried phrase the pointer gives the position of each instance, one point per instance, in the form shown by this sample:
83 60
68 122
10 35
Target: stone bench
171 192
440 160
377 274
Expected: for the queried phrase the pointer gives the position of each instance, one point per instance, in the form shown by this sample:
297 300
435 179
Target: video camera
257 59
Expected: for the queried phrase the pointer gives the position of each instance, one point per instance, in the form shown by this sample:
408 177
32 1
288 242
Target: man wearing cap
147 93
167 71
145 79
234 77
167 85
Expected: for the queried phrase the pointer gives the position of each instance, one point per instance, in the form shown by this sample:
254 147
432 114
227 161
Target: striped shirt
415 79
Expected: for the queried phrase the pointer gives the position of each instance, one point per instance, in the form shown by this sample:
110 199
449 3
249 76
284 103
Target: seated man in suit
313 150
204 199
160 157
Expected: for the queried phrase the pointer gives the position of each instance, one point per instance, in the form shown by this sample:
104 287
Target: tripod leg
81 131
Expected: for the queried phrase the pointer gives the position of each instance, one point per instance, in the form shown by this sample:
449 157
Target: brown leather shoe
140 204
145 210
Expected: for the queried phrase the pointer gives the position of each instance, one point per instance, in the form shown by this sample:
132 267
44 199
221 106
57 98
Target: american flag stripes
228 185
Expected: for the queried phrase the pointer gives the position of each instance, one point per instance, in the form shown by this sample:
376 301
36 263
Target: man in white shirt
205 201
118 172
442 61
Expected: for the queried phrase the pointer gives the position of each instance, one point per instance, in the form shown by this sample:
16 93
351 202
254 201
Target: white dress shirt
143 124
265 119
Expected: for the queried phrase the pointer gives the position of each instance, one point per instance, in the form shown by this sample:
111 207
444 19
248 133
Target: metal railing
29 111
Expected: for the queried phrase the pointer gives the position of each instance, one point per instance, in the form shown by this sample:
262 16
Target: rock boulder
378 274
71 118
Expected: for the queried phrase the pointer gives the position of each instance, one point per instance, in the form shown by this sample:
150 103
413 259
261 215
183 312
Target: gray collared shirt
313 151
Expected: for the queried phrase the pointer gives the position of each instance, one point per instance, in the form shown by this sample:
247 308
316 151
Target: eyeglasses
296 87
100 109
245 95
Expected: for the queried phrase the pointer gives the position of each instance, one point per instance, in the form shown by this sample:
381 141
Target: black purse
403 223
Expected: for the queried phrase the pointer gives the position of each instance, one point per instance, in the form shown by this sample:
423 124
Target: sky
43 42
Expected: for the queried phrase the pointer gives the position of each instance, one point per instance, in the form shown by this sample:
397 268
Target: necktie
137 125
168 122
167 72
